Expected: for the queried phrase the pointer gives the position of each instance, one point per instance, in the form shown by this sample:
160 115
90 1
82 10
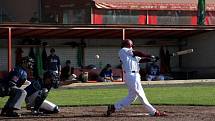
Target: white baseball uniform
130 65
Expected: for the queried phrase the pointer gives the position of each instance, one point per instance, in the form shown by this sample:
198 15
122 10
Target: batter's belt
131 72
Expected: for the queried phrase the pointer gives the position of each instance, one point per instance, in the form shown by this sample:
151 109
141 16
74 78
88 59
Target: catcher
10 86
37 93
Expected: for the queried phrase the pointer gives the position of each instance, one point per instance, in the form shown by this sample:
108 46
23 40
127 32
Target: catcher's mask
53 79
28 61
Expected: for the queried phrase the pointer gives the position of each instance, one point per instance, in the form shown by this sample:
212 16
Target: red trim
207 20
9 50
97 17
194 20
152 20
142 19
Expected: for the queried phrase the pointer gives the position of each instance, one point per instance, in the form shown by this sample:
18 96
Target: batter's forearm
141 54
145 60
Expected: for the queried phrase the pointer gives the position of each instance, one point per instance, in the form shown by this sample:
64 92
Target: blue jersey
53 63
106 73
17 76
153 69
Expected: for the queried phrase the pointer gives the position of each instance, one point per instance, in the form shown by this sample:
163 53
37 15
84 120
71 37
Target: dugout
90 27
107 38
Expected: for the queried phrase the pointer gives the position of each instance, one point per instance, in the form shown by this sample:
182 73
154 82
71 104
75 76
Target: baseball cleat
36 112
12 114
9 113
159 114
111 109
3 111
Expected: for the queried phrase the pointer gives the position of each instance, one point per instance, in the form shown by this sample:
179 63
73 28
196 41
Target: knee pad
44 93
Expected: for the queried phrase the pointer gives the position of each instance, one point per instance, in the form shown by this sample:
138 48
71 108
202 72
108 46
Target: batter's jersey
129 62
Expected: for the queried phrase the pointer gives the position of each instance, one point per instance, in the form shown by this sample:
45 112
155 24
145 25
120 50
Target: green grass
191 95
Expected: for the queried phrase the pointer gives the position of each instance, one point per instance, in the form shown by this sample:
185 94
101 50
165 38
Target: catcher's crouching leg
34 101
49 107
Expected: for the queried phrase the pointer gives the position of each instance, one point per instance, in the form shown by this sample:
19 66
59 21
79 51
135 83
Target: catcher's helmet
28 61
54 78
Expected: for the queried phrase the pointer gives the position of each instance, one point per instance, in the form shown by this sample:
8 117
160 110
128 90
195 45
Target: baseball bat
183 52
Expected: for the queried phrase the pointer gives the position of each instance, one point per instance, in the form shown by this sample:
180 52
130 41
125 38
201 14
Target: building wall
65 53
106 49
20 10
203 57
201 60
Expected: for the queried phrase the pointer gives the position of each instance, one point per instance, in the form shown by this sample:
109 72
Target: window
76 16
173 17
121 16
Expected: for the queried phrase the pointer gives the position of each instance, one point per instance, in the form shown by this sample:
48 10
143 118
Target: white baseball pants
135 89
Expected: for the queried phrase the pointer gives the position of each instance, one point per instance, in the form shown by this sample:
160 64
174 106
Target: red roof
153 4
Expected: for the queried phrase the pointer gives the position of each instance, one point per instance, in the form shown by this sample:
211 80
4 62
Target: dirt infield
132 113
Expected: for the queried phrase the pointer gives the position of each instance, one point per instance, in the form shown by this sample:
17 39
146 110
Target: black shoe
3 111
111 109
12 114
36 112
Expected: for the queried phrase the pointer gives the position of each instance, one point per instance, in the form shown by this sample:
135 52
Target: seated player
37 93
11 86
106 74
153 71
67 72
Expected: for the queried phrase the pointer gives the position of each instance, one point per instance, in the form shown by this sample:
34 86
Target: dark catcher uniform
11 84
37 93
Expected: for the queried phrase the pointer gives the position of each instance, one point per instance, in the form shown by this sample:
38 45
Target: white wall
65 53
203 57
107 49
107 55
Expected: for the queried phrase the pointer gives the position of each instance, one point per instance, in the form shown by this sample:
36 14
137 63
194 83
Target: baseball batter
130 60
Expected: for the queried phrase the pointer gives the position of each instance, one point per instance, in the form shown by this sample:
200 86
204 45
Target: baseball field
188 100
